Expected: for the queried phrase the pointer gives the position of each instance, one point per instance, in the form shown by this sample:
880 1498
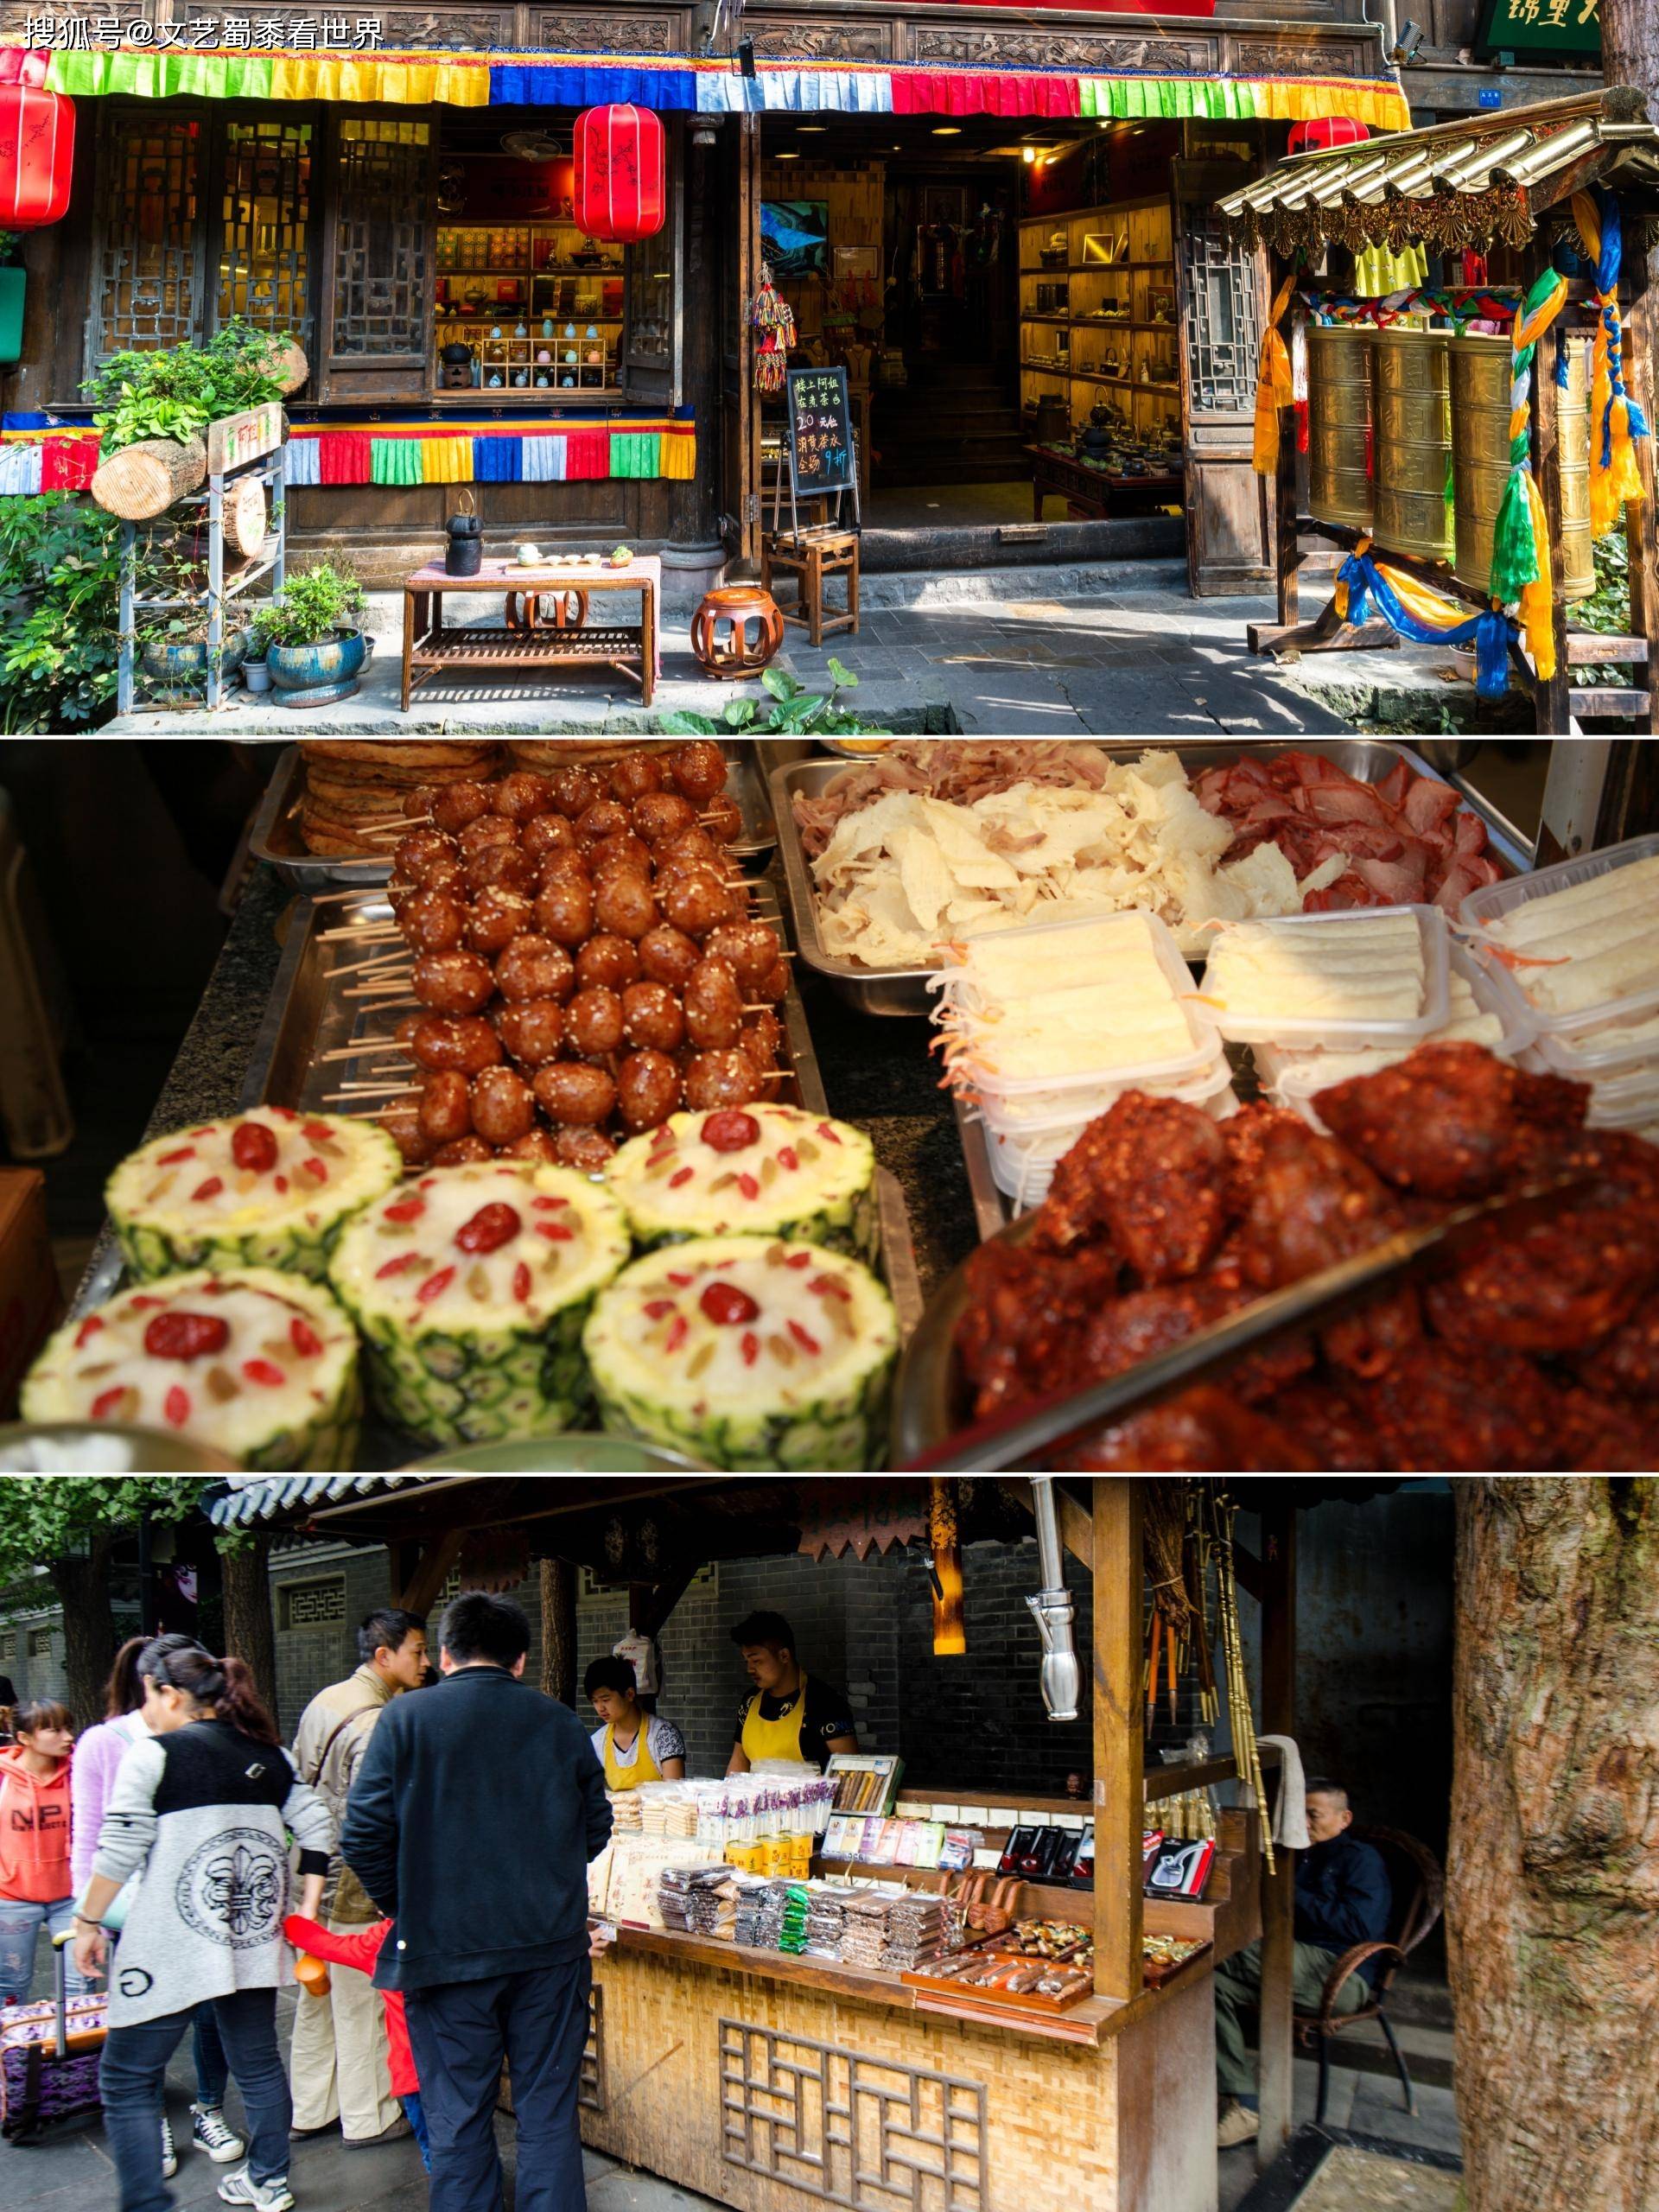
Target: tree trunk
144 479
89 1637
559 1629
1553 1882
1629 47
249 1631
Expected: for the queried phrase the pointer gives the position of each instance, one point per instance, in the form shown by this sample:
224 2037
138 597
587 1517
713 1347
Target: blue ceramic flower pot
183 668
302 668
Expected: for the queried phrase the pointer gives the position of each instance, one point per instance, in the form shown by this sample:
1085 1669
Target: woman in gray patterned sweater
201 1813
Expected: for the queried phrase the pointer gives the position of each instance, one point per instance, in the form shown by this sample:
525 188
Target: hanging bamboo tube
1242 1718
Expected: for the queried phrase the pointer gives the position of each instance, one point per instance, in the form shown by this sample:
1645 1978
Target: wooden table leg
409 640
648 643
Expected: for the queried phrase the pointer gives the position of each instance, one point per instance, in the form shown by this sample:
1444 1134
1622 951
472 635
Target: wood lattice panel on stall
147 258
380 275
590 2090
1223 319
264 262
869 2134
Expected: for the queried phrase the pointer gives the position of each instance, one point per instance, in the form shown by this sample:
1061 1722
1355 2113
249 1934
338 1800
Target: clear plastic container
1034 1098
1017 1124
1625 1104
1314 1030
1024 1172
1494 900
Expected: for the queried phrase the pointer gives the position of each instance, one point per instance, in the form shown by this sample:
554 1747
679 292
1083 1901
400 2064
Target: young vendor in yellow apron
632 1746
787 1716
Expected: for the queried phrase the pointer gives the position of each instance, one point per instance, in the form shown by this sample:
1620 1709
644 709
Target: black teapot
464 554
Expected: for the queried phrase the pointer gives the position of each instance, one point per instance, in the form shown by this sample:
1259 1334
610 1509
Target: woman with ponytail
201 1811
98 1755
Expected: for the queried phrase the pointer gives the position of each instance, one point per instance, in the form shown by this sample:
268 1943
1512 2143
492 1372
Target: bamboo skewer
371 1090
359 933
380 960
371 1049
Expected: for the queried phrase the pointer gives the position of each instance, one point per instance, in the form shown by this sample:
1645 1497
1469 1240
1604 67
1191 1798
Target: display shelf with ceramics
1097 315
527 307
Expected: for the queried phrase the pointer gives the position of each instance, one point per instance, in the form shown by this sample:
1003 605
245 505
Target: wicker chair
1419 1890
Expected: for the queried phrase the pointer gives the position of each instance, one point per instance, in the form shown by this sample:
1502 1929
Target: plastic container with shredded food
1628 1103
1024 1172
1622 1048
1338 940
1491 913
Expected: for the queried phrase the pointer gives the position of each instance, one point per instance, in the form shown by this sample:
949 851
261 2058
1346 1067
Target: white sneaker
240 2187
211 2131
169 2153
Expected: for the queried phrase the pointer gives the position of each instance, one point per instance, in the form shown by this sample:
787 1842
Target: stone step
903 567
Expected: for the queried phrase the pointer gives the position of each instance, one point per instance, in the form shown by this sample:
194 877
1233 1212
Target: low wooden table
629 648
1056 476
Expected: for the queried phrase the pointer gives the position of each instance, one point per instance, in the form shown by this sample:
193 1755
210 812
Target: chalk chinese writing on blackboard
820 430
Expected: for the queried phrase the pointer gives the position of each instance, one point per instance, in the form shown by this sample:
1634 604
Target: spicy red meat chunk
1451 1121
1551 1287
1152 1175
1311 1205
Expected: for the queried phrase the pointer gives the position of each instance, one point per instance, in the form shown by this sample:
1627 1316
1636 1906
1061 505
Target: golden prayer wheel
1413 443
1480 453
1338 422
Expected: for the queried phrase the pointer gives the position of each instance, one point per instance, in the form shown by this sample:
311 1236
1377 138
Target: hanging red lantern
37 146
620 165
1326 130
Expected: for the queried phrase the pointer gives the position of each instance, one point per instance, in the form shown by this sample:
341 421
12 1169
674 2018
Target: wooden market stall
770 2082
1479 481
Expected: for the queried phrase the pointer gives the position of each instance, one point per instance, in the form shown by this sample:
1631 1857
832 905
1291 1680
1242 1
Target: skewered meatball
774 986
668 955
418 804
723 818
504 1108
418 854
453 983
433 922
697 771
624 906
403 1126
446 1108
495 917
574 792
662 815
575 1093
752 949
446 875
458 804
502 867
633 775
564 910
623 854
546 834
593 1023
466 1152
404 1032
532 1030
604 818
763 1039
714 1006
588 1151
489 829
652 1016
692 846
535 1144
647 1090
440 1041
696 904
607 962
534 968
522 795
722 1078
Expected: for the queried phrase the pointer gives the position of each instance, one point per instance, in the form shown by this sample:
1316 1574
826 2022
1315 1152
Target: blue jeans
21 1921
460 2033
213 2067
135 2066
417 2118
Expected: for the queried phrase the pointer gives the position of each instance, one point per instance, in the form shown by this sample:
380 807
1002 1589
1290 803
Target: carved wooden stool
810 560
737 653
569 610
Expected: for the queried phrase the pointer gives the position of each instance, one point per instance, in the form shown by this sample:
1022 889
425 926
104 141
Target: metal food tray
276 835
904 990
309 1014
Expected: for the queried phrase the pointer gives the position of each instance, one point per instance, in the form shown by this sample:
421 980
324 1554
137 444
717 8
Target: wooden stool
736 654
524 610
809 561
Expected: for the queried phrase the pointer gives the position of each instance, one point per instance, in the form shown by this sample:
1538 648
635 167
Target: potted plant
256 672
309 635
175 654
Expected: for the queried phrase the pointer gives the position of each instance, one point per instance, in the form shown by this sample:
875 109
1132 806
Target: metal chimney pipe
1052 1610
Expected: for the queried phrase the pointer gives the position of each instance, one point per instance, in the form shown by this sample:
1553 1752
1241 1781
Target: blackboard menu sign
820 431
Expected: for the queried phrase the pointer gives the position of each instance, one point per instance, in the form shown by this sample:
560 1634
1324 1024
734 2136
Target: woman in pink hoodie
36 1888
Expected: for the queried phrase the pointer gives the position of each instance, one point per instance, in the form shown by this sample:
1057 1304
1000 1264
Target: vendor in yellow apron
809 1722
779 1738
611 1685
641 1768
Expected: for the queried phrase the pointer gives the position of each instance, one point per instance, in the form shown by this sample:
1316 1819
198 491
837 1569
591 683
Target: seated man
1343 1899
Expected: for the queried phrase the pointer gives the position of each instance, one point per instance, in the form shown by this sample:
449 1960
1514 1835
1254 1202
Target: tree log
1630 48
144 479
1554 1883
558 1579
89 1637
249 1632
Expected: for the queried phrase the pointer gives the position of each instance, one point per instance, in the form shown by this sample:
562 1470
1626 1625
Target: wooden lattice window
265 215
1224 313
147 269
380 274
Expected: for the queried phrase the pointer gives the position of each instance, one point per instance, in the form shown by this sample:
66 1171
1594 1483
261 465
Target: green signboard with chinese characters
1540 26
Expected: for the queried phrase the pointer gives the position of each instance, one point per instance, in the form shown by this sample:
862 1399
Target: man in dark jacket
1342 1898
471 1822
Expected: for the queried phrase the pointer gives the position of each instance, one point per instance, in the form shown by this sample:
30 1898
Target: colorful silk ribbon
1520 568
1274 386
1616 420
1414 610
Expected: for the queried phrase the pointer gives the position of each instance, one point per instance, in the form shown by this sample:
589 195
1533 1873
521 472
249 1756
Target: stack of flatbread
355 787
1347 971
547 754
1591 945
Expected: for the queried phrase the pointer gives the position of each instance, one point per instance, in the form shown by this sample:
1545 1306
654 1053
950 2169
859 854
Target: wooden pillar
420 1571
1277 1889
1120 1739
1287 559
1555 712
559 1630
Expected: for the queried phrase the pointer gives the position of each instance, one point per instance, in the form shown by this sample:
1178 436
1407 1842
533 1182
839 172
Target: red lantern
1325 131
37 147
621 193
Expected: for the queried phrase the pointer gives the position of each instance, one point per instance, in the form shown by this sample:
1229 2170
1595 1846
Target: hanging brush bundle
774 324
1164 1516
1245 1751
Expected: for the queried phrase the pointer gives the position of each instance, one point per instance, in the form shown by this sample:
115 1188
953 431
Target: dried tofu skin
1538 920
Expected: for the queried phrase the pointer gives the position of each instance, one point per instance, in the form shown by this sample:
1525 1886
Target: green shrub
176 393
311 606
797 711
60 614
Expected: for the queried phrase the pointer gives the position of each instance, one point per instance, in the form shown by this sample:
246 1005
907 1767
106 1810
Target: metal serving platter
904 990
276 836
310 1013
